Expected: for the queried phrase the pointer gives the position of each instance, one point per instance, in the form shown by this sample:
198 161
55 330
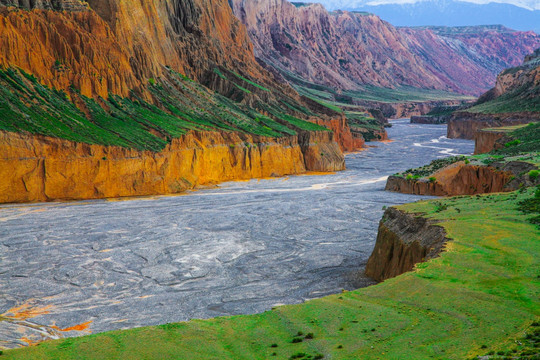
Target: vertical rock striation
37 168
403 241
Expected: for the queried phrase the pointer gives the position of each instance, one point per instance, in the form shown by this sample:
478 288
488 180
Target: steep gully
240 248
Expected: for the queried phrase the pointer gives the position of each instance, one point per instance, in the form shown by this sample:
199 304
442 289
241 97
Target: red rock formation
345 50
456 179
347 139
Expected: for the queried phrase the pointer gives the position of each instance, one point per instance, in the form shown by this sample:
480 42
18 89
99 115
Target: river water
240 248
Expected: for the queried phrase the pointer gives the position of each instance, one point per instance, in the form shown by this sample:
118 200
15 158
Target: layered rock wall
486 140
37 168
403 240
456 179
347 139
464 125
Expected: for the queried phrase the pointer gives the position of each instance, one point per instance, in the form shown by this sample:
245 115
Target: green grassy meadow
479 296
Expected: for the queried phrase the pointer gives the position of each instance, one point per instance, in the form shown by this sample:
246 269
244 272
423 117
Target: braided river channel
67 269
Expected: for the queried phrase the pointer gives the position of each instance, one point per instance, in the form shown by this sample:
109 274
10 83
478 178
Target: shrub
310 336
512 143
152 81
296 340
432 179
533 174
409 176
298 355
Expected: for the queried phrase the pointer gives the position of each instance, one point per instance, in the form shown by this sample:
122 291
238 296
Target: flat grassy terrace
478 297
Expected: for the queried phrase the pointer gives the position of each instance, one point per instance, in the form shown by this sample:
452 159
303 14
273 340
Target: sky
336 4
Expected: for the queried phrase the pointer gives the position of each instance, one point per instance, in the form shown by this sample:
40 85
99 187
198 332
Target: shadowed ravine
240 248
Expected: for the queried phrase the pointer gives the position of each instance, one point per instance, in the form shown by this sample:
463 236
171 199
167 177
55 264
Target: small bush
274 345
533 174
296 340
409 177
152 81
298 355
432 179
512 143
310 336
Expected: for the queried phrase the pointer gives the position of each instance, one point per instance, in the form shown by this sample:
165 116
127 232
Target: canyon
240 247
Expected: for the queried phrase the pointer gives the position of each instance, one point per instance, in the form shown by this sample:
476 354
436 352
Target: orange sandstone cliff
38 168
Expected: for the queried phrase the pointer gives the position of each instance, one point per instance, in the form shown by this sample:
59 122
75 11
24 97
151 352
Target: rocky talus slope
347 49
141 81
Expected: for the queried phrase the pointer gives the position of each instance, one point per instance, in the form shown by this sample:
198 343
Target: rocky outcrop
486 140
346 49
464 125
403 241
400 110
37 168
347 139
430 119
466 179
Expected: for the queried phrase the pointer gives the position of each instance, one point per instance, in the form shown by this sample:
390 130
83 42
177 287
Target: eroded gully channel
93 266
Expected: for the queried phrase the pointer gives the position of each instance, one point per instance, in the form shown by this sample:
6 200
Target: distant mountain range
520 15
345 50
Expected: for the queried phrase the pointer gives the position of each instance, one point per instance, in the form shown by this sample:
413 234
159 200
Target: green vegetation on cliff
478 297
522 99
179 105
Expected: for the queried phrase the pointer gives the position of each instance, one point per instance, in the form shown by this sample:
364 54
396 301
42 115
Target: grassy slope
484 290
182 105
519 100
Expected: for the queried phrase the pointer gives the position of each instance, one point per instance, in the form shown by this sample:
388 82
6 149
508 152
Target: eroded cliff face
456 179
112 46
468 179
347 139
464 125
487 140
403 241
37 168
344 49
